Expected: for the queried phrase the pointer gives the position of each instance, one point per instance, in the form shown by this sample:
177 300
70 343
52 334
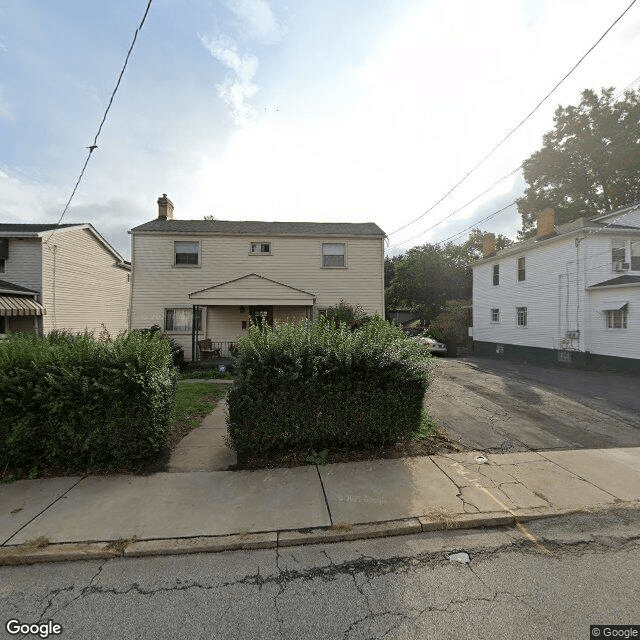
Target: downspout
131 281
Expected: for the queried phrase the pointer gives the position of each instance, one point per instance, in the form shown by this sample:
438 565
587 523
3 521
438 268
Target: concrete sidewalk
103 516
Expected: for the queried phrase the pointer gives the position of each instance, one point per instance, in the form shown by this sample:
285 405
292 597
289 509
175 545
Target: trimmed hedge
76 403
315 386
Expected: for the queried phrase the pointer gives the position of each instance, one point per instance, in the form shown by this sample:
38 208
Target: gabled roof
619 280
33 229
591 225
9 230
253 289
9 287
259 228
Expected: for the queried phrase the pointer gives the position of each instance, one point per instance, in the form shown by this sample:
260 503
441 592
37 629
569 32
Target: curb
132 548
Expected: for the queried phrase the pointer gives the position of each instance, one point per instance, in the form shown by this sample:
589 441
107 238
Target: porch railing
223 350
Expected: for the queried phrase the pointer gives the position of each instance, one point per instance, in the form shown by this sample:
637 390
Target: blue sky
267 110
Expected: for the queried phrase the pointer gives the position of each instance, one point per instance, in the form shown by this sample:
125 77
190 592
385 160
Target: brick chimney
546 223
165 208
488 245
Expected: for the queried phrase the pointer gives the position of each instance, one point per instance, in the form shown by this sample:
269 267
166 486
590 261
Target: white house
225 274
61 277
571 294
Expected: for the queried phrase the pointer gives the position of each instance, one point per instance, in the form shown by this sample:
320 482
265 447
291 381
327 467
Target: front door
261 314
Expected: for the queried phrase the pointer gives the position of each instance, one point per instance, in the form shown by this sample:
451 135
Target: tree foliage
589 164
427 276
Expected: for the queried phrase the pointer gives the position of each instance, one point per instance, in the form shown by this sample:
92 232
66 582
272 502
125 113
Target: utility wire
512 131
94 145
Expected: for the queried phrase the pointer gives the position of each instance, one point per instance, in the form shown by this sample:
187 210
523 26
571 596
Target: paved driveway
495 405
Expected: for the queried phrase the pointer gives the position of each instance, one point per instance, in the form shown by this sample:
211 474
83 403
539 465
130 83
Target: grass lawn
194 400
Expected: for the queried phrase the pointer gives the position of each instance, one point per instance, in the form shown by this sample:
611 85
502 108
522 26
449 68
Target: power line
514 129
94 145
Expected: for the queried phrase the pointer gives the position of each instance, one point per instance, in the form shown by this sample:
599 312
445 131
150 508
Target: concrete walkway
103 516
205 448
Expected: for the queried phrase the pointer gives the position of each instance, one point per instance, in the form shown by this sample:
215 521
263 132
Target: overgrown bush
353 315
452 325
314 385
77 403
177 352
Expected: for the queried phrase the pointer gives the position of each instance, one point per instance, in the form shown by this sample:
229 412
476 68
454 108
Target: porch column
194 333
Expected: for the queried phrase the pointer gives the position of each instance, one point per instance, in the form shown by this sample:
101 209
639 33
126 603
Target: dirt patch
434 444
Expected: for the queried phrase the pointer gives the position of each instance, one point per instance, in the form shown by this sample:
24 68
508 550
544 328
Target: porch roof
252 289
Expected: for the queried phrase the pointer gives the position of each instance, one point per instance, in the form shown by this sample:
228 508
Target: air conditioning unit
620 266
573 335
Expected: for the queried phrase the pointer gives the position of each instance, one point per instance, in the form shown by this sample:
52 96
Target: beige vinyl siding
24 264
158 284
293 261
89 288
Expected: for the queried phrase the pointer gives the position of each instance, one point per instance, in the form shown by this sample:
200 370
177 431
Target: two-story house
225 274
571 294
64 277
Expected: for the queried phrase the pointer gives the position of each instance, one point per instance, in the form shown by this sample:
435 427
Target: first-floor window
1 265
495 315
181 320
521 316
617 319
3 324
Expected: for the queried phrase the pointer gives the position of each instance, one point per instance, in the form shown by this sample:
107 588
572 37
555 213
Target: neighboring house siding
549 293
622 343
89 288
556 293
24 265
296 262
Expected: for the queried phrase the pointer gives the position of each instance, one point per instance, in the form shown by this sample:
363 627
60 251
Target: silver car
433 345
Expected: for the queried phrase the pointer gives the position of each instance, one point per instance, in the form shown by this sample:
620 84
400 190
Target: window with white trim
260 247
495 315
635 255
521 316
496 274
521 270
186 253
617 250
616 318
181 320
334 255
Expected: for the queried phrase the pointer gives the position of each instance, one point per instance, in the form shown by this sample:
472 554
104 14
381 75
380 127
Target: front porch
223 313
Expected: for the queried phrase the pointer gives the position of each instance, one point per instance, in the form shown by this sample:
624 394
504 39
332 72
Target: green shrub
77 403
311 386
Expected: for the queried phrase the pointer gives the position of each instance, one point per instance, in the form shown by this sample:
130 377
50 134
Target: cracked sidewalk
167 513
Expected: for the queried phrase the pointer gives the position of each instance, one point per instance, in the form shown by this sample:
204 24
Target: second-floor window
635 255
521 316
260 247
187 253
496 274
495 315
521 270
334 255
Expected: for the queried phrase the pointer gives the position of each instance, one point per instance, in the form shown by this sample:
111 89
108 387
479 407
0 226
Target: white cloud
3 45
6 111
257 19
238 88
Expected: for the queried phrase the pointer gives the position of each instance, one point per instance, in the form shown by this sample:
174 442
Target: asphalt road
500 406
550 581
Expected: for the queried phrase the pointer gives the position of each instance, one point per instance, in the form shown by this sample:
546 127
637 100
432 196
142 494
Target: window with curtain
180 320
333 255
187 253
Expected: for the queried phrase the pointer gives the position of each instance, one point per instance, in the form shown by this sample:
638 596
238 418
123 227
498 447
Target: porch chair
207 352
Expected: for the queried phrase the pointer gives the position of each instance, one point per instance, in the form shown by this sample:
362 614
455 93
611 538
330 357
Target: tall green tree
589 164
427 276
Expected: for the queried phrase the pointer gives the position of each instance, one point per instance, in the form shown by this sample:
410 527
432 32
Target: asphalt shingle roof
9 286
8 227
259 228
625 279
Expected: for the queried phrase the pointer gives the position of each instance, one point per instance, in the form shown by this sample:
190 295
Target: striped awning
20 306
